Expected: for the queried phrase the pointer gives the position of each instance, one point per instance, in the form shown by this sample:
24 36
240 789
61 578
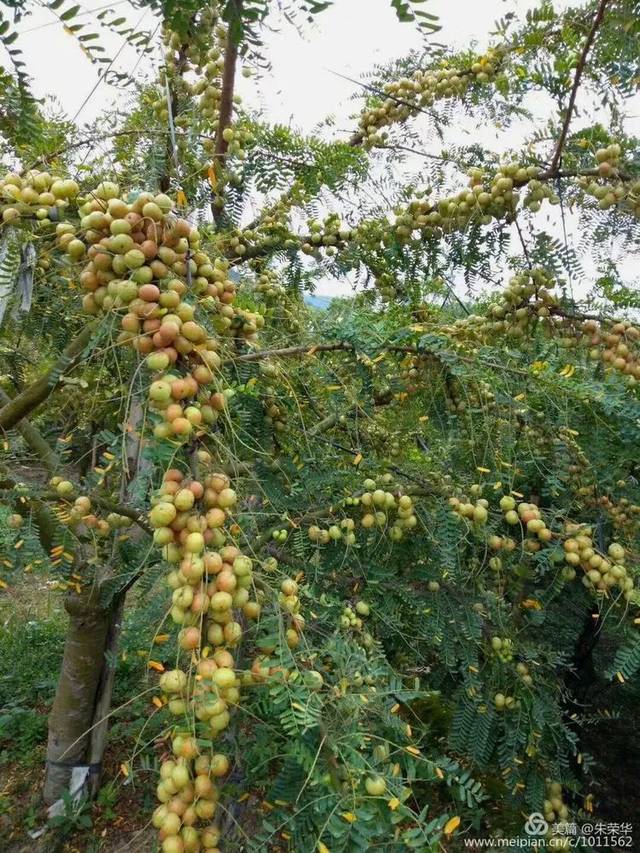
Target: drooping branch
29 399
597 21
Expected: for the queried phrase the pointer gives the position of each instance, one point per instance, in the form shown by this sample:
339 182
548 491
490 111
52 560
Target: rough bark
100 723
72 713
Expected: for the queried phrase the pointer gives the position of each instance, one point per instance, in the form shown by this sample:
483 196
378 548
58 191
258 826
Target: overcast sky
303 86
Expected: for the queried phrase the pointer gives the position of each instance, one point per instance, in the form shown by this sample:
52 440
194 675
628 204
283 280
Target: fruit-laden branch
286 351
359 137
34 438
9 484
252 250
29 399
597 21
226 104
110 506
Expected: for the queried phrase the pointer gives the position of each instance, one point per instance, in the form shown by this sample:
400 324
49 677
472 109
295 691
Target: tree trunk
78 685
100 724
78 722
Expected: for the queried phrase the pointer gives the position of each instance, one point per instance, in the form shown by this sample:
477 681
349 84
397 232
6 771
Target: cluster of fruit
601 572
275 416
35 193
523 671
486 198
267 284
131 246
476 511
147 265
81 512
210 585
529 301
526 299
264 667
615 191
503 647
352 617
529 517
554 808
387 286
382 510
408 96
504 702
331 234
623 513
616 345
188 794
197 102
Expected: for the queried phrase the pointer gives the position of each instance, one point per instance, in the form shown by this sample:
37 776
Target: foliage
429 553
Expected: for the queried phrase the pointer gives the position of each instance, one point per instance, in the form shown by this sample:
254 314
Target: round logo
536 825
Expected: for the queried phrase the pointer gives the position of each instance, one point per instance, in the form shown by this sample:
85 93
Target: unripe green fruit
173 681
375 785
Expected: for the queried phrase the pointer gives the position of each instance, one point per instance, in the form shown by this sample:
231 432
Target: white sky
303 86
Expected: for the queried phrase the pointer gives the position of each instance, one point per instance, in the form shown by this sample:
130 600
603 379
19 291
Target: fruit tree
385 553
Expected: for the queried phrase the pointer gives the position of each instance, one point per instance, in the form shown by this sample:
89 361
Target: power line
102 76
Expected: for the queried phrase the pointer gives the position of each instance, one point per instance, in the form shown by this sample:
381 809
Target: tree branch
226 105
285 351
597 21
29 399
34 438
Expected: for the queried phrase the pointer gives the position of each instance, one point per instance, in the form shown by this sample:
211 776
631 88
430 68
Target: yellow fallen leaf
157 701
349 817
322 848
451 825
393 803
160 639
154 664
357 459
181 199
124 769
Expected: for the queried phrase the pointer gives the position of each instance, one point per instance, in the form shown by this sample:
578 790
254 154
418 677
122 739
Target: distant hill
320 302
